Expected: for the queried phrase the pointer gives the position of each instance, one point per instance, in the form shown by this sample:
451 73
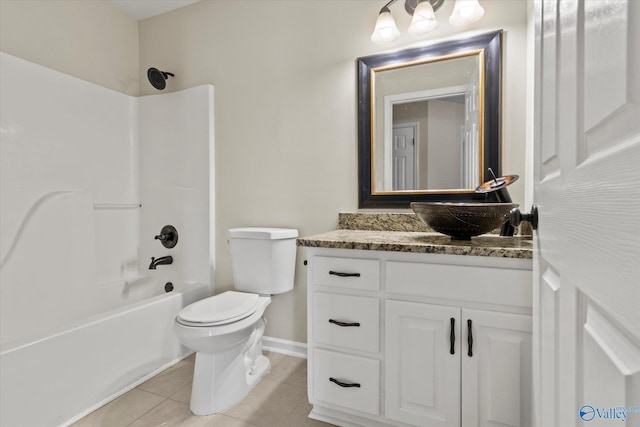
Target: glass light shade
466 12
424 20
386 30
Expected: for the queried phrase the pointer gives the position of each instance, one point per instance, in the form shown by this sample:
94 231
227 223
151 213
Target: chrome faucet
164 260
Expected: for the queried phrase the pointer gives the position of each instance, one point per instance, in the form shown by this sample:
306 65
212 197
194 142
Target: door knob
516 217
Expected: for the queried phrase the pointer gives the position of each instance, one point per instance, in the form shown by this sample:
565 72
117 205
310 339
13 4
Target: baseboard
290 348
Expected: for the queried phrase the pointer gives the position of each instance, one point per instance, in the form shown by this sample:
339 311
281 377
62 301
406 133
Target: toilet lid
219 309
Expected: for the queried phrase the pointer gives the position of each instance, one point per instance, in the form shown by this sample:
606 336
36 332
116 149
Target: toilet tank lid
264 233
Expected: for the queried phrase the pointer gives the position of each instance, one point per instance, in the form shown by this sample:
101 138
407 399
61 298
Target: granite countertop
422 242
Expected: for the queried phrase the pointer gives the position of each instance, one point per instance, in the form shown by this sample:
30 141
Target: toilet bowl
226 330
229 360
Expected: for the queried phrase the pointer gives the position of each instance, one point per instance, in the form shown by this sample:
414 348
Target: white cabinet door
496 369
422 366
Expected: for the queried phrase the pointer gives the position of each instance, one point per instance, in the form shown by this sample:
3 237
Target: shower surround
88 177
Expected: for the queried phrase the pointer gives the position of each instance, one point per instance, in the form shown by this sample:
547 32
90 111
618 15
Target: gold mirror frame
489 47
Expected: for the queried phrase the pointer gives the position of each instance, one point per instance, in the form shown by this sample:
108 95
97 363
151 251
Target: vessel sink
462 220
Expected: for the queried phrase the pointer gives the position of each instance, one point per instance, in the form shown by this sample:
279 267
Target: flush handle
516 217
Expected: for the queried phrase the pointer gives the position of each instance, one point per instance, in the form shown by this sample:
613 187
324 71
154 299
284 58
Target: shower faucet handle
168 236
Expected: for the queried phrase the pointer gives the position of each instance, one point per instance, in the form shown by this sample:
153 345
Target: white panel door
496 369
587 188
422 367
404 157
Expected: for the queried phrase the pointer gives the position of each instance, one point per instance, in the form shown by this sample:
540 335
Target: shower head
158 78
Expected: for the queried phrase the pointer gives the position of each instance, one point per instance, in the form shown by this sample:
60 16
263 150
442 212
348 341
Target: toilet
226 330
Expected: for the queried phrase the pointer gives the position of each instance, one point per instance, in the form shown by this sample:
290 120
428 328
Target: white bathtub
57 379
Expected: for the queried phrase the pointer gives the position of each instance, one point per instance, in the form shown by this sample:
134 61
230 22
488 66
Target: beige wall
88 39
444 134
285 83
286 136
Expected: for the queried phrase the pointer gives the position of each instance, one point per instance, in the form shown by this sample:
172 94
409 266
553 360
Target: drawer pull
452 337
341 384
470 339
343 324
339 274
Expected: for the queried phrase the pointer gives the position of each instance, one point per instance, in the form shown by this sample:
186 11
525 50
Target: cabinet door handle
339 274
342 384
452 337
344 324
470 338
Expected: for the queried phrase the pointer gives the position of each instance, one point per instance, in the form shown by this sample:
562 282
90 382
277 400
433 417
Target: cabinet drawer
459 282
346 321
351 273
345 380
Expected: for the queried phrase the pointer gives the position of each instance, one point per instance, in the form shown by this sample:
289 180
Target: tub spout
165 260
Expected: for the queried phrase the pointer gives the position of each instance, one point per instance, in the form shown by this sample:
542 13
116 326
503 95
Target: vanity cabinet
448 366
407 339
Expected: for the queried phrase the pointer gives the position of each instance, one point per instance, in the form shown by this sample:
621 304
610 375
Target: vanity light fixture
424 19
386 30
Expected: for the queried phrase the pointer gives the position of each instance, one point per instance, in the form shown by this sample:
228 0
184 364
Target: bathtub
59 378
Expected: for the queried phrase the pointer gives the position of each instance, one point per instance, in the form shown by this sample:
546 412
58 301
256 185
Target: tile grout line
289 374
150 409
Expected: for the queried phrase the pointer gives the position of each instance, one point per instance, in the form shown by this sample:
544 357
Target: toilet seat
222 309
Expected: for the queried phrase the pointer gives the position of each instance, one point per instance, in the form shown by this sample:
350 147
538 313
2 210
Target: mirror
429 122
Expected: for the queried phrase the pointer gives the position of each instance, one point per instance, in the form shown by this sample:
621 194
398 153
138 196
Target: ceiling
142 9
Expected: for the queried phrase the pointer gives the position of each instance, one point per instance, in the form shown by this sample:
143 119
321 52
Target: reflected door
404 157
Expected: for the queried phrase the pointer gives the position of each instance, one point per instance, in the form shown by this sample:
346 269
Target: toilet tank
263 260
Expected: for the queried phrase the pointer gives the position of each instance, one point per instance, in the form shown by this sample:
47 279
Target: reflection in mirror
429 121
427 128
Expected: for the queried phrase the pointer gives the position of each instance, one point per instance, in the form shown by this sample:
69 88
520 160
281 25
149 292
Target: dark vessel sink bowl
462 221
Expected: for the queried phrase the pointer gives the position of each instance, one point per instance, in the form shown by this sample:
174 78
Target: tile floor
279 400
